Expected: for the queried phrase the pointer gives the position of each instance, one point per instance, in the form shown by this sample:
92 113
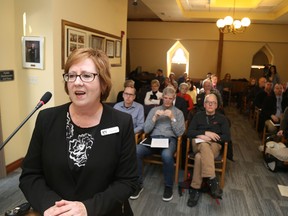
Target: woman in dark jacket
81 159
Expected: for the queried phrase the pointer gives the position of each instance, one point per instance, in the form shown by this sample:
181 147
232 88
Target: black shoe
204 187
168 194
137 193
194 197
215 190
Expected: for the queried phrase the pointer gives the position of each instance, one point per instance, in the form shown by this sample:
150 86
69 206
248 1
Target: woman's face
154 87
84 93
184 89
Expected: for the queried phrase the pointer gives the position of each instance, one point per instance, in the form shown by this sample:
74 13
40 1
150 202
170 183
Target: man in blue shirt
136 110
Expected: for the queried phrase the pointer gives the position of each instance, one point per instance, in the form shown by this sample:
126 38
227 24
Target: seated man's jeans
167 155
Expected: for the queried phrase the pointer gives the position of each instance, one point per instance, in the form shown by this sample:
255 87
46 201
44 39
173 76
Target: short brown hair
102 65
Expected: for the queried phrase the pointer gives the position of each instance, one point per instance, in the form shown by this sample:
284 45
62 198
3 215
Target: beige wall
150 41
9 97
19 97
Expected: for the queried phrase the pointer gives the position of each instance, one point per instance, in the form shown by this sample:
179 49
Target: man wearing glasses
136 110
211 130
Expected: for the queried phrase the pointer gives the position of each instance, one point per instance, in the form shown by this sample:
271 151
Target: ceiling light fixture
229 25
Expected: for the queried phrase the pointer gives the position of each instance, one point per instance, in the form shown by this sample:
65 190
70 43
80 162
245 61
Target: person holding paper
213 129
165 121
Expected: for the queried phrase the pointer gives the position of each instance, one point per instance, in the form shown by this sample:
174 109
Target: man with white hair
212 130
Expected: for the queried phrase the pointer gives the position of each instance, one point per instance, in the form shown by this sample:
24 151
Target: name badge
109 131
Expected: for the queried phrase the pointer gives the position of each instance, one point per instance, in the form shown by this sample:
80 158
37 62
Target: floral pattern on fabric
79 145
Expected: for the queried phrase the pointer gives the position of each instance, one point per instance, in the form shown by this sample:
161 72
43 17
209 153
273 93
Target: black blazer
106 182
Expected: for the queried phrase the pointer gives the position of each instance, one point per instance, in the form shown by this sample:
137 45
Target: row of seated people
271 123
165 120
192 102
266 105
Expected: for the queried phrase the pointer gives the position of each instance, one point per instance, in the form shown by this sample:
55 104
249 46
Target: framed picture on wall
110 48
74 36
97 42
118 48
33 52
75 40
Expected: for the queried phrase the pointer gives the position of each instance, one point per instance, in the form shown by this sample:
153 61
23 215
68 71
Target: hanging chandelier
229 25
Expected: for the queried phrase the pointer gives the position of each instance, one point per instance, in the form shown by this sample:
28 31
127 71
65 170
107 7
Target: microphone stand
18 128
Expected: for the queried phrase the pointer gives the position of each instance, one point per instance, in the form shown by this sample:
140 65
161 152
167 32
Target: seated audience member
213 129
207 89
180 103
183 88
173 81
247 96
182 78
208 76
160 77
283 130
216 85
261 92
273 75
226 88
272 109
165 121
165 84
192 91
127 83
154 96
136 110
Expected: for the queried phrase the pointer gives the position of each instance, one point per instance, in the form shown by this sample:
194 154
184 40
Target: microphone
44 99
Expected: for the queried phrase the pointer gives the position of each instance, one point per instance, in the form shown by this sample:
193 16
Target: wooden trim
13 166
220 54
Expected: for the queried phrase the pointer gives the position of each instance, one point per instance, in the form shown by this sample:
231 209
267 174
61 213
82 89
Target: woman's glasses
85 77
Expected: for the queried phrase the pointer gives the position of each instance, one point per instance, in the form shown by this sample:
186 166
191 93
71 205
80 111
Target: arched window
179 57
177 60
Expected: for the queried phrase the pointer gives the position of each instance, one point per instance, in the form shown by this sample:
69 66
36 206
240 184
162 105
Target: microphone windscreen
46 97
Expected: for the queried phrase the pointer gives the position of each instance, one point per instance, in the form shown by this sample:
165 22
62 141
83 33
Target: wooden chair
220 162
156 158
138 137
266 134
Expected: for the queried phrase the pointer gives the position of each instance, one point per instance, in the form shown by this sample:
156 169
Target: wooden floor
250 189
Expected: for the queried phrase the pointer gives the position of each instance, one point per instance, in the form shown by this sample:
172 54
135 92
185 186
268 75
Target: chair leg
264 135
222 180
186 160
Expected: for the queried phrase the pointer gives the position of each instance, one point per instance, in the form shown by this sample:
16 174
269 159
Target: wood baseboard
13 166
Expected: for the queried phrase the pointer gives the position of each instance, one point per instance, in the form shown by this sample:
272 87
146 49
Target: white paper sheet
160 143
198 140
283 190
